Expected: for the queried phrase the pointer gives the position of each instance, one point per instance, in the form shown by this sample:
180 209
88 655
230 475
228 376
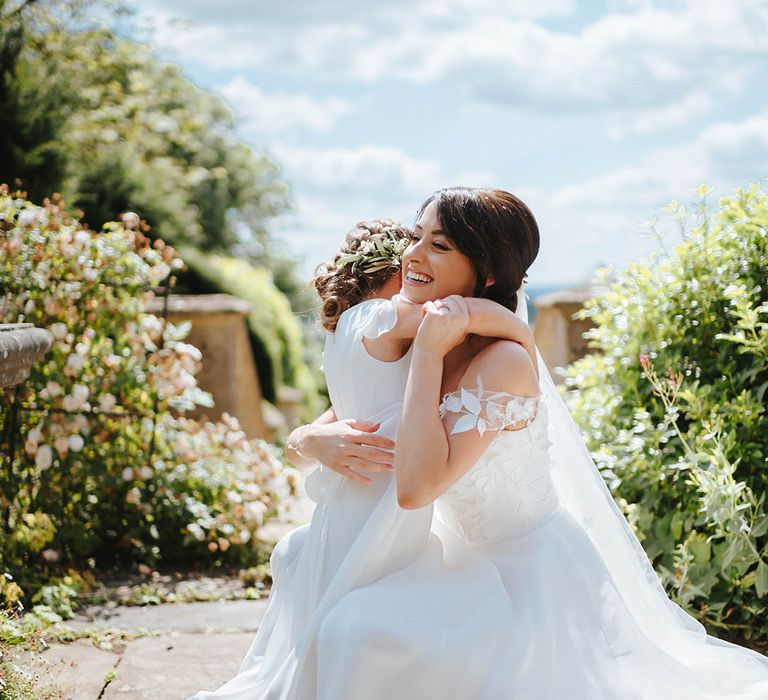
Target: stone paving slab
75 671
241 615
175 666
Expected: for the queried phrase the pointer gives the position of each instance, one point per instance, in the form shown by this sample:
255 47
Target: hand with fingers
348 447
444 325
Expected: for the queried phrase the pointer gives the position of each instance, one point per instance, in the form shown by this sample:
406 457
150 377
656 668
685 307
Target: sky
596 114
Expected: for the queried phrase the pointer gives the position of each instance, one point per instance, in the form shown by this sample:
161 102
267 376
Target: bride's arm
427 459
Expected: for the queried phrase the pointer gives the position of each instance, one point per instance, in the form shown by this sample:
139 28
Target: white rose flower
35 435
90 274
59 330
82 238
146 473
75 363
27 217
152 324
130 219
107 402
54 389
255 511
44 457
191 350
158 273
30 447
127 474
76 443
251 491
196 531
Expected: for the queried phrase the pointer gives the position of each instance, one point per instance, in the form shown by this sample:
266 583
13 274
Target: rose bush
106 469
673 405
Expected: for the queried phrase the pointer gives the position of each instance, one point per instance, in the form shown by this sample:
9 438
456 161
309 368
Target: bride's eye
440 245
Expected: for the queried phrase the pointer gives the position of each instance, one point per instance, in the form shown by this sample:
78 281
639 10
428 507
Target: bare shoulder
504 365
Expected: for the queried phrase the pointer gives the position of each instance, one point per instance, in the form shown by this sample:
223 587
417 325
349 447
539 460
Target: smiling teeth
417 277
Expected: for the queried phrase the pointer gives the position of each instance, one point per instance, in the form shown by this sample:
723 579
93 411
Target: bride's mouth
417 279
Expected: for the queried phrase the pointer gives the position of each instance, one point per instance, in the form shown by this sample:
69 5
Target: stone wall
228 368
558 335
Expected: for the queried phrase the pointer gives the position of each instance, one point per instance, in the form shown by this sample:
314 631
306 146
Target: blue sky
595 113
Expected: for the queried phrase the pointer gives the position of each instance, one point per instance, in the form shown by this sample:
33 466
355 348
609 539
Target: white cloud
269 113
645 121
336 187
639 56
599 219
365 169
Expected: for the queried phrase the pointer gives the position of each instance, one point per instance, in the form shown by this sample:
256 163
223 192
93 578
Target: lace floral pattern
486 410
509 490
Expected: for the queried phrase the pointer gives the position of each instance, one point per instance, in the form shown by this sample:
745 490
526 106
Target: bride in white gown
579 612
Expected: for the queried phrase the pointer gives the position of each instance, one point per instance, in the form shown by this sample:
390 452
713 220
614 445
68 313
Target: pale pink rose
75 363
30 447
133 496
107 402
44 457
54 389
127 474
146 472
50 555
130 219
62 446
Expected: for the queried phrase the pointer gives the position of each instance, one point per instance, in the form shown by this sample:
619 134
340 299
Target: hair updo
496 231
342 286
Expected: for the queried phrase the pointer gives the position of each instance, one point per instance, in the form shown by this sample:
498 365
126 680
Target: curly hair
343 286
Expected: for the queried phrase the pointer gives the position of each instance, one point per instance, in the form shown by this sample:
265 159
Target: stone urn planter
21 345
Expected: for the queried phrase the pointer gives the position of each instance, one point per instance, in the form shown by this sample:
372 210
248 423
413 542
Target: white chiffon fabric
358 533
583 615
530 586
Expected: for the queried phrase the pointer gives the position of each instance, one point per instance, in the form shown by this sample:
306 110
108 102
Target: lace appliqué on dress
486 410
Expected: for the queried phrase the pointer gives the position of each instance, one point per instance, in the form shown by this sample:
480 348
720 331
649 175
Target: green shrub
105 471
673 407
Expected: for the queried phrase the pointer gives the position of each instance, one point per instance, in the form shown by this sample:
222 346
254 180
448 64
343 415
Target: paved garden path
190 647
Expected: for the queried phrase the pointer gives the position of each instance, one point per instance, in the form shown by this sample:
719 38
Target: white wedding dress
569 633
358 533
530 587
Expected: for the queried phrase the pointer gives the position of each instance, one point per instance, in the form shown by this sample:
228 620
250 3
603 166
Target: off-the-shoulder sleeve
379 316
477 409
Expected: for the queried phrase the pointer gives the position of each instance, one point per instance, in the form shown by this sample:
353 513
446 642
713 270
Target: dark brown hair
496 231
341 286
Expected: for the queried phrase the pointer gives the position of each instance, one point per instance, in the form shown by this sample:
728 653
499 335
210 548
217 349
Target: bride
580 613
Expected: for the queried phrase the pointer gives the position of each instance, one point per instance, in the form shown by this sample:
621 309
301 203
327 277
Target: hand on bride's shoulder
504 365
444 325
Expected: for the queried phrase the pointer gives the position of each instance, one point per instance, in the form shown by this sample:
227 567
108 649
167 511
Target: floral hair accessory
380 251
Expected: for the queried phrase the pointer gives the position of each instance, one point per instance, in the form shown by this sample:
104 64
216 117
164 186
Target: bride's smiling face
432 266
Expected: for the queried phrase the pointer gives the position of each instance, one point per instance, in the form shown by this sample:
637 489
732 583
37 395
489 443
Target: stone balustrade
21 345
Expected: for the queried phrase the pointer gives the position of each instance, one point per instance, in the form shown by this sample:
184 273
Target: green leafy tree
673 404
